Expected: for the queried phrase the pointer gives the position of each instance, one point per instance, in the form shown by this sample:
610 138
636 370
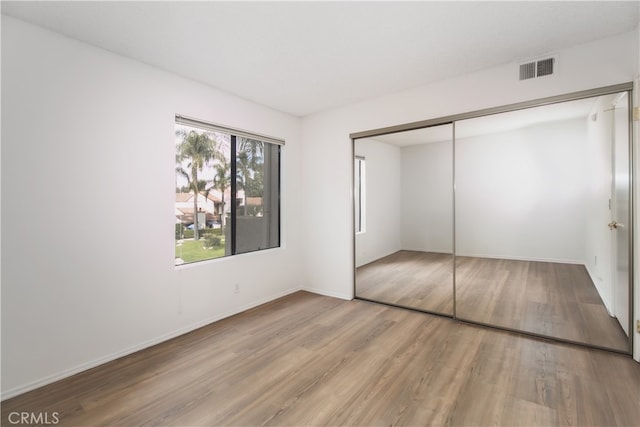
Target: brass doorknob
614 225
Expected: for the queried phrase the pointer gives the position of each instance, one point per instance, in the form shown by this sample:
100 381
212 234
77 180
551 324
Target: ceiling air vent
544 67
527 71
531 70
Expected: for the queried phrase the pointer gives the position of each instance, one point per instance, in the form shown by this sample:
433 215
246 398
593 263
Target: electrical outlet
236 288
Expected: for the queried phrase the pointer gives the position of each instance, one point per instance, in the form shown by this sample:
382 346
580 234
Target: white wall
427 197
535 179
87 221
326 136
409 202
382 194
522 194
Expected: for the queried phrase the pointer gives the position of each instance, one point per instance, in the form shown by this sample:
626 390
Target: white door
620 215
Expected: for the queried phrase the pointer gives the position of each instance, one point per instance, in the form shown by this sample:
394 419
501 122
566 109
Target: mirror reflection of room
534 196
541 197
404 219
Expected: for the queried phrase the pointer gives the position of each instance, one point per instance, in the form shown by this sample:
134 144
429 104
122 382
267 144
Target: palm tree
243 175
250 159
197 150
253 147
221 181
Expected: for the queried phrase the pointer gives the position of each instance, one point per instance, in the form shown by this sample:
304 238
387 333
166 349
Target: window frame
234 136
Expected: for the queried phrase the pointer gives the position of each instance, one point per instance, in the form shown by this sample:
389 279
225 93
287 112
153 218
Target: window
359 193
227 191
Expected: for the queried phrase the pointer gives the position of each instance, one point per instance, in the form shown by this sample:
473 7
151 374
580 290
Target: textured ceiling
304 57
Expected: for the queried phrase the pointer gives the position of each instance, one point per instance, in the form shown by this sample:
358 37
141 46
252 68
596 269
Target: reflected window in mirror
359 193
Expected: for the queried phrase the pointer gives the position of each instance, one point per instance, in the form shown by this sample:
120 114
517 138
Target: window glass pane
359 177
203 188
257 220
227 194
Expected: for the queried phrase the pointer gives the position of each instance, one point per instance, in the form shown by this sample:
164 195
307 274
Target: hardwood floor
313 360
552 299
421 280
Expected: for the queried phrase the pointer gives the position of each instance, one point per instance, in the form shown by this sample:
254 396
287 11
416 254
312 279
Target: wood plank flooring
552 299
420 280
312 360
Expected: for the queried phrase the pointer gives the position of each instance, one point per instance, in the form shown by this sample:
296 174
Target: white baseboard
489 256
596 282
374 258
431 251
146 344
339 295
522 258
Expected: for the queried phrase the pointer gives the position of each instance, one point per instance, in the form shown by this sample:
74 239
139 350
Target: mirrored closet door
542 218
534 200
404 219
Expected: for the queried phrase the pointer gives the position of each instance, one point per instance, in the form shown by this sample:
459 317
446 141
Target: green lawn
191 251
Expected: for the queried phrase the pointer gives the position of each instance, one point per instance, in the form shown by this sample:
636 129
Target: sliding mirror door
542 229
403 188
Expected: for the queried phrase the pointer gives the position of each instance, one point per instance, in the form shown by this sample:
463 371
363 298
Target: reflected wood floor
548 298
552 299
421 280
309 360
